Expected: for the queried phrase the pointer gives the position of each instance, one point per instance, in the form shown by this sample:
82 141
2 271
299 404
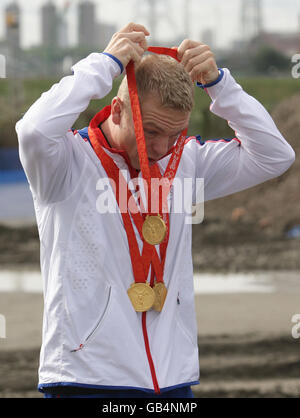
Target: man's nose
159 147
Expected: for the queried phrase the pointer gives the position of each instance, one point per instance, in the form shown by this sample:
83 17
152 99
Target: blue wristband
116 60
204 86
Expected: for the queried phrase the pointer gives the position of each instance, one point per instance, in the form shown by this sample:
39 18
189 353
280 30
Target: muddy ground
219 245
246 348
231 366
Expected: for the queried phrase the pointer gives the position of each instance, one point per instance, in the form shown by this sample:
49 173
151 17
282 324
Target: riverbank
234 368
245 345
219 245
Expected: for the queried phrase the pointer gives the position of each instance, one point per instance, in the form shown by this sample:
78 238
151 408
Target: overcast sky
221 16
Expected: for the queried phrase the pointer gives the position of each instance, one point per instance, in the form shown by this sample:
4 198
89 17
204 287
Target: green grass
268 91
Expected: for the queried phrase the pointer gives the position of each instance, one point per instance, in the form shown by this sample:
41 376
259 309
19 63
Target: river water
16 204
17 207
204 283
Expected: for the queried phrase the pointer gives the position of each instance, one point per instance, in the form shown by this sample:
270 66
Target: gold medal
154 229
142 296
160 291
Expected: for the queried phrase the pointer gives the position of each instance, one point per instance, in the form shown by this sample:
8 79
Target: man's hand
198 60
129 43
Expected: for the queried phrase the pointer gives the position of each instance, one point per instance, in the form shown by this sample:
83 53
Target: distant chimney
298 31
87 24
12 25
49 24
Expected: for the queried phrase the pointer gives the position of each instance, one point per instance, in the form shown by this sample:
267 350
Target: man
99 338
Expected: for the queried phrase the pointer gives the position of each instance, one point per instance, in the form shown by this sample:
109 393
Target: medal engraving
160 291
154 229
142 296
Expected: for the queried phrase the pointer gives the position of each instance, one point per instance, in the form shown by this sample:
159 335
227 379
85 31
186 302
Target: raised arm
45 141
257 153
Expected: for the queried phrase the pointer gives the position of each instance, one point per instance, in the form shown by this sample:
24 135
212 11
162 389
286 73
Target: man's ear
117 106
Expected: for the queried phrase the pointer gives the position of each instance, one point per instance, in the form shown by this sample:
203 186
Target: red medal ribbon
141 262
172 52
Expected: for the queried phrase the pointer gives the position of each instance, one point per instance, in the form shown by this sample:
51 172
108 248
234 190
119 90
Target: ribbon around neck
139 130
141 262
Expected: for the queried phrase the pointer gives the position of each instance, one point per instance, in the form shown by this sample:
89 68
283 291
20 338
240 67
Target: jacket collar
95 124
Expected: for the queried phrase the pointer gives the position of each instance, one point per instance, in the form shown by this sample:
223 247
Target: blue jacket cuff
221 75
115 59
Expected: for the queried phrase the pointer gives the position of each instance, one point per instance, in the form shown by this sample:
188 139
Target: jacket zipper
150 360
147 346
81 346
146 340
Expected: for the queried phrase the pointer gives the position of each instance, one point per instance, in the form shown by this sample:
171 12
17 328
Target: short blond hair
164 76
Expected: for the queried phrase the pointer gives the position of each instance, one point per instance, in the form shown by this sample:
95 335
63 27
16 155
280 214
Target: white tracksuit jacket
92 336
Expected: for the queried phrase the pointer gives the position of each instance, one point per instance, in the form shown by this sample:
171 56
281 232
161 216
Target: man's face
162 127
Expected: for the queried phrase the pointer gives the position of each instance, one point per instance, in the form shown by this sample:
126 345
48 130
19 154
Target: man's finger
190 53
197 59
136 51
135 27
200 68
186 44
136 37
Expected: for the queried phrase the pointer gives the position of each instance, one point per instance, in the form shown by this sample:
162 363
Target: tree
267 60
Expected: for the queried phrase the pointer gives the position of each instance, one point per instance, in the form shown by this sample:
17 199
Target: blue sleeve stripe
199 139
224 140
116 60
84 134
219 139
221 75
203 142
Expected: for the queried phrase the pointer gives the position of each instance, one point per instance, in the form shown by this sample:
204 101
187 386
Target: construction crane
154 12
251 18
186 18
